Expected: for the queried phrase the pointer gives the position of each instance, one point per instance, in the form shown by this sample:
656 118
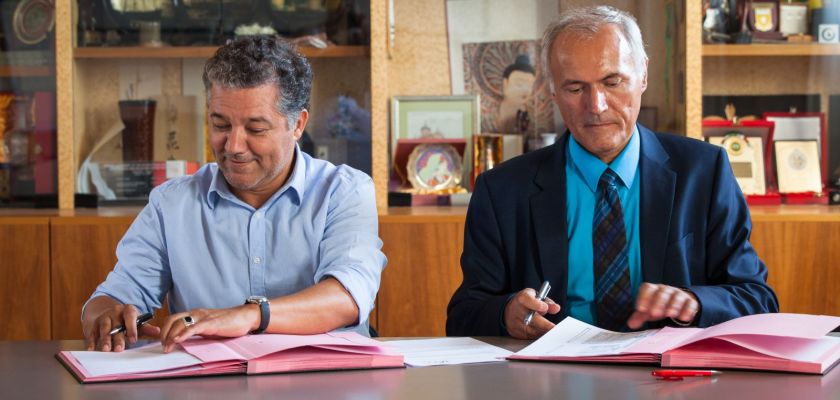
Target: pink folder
251 354
773 342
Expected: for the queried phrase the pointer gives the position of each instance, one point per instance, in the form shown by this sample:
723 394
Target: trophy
764 20
487 153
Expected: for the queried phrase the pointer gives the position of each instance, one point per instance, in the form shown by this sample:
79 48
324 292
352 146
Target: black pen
140 321
543 293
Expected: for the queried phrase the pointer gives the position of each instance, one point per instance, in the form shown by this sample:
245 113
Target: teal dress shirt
583 171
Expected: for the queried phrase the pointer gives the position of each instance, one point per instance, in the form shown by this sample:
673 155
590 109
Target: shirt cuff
358 291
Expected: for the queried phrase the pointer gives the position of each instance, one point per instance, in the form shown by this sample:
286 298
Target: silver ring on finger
188 321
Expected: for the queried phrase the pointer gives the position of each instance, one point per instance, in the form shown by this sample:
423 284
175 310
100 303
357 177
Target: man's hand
226 322
656 301
519 306
97 330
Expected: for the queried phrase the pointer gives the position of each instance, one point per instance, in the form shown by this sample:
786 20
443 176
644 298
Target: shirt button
258 214
257 260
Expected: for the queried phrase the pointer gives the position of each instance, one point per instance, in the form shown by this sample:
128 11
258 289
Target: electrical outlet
322 152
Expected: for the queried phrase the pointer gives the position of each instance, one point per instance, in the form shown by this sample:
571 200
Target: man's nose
596 101
235 143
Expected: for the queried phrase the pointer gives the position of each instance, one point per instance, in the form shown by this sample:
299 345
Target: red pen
682 373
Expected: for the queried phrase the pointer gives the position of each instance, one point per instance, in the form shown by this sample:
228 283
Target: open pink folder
774 342
251 354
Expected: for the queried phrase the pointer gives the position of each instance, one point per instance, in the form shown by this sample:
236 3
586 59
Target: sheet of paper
573 338
141 359
249 347
804 326
447 351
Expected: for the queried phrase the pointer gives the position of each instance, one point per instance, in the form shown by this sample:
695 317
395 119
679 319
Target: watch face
256 300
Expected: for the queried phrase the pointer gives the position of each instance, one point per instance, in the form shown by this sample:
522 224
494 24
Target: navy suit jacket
695 228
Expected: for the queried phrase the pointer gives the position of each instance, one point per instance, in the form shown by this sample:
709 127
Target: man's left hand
225 322
656 301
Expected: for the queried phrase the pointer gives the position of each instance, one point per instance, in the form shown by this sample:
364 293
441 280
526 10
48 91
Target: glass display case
139 102
777 62
27 104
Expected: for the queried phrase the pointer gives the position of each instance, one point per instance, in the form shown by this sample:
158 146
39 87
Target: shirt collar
297 182
591 168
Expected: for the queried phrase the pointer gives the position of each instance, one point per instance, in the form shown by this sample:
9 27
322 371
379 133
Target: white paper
141 359
573 338
447 351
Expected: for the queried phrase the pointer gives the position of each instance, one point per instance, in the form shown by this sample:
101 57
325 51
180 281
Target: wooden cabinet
423 270
52 264
797 243
84 251
24 278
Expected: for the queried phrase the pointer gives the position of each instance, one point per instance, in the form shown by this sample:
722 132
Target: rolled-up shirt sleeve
141 276
350 250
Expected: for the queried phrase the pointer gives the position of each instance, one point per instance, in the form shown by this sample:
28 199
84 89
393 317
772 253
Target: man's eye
574 89
612 82
221 127
256 131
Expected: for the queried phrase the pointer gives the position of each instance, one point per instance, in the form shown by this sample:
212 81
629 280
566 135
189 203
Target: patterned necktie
612 268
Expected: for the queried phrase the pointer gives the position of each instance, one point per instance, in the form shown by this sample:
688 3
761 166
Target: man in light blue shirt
267 239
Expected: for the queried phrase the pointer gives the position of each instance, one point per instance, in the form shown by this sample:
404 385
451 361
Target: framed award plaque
749 146
798 166
746 156
802 126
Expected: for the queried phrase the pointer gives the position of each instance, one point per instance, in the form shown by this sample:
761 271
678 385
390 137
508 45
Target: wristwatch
265 313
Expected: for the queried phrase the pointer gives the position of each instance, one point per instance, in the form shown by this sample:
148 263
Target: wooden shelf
762 49
204 52
25 71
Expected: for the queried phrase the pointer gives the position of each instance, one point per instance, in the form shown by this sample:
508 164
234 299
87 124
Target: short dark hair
522 63
251 61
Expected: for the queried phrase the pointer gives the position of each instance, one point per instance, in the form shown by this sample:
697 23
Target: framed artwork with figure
515 96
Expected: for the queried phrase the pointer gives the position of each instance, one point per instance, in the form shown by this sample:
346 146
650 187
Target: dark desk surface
28 370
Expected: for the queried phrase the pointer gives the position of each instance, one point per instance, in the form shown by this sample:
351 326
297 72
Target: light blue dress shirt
583 171
203 247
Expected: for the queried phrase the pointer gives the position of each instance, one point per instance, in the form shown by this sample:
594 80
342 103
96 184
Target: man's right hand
519 306
102 315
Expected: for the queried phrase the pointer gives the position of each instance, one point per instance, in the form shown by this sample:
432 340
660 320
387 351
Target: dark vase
138 116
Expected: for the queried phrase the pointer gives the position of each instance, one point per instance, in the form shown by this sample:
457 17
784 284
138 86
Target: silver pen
541 297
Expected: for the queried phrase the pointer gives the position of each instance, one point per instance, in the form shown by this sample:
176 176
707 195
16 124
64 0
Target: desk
28 370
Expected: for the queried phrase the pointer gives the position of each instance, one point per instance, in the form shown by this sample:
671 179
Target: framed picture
749 148
798 166
746 157
434 117
802 126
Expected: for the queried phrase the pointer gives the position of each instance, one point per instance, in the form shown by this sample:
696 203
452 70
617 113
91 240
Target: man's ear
300 125
645 75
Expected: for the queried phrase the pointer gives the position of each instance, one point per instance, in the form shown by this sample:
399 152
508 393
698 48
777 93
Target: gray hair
252 61
586 22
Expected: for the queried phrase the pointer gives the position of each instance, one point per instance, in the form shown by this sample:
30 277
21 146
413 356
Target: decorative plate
32 20
433 167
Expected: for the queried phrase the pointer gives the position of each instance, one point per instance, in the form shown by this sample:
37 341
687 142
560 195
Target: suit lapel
548 215
658 184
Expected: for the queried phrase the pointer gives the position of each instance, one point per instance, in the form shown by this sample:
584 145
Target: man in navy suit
632 228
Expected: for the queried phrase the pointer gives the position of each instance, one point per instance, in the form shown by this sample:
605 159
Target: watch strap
265 313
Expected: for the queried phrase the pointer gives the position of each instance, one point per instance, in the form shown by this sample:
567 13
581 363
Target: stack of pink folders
772 342
251 354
